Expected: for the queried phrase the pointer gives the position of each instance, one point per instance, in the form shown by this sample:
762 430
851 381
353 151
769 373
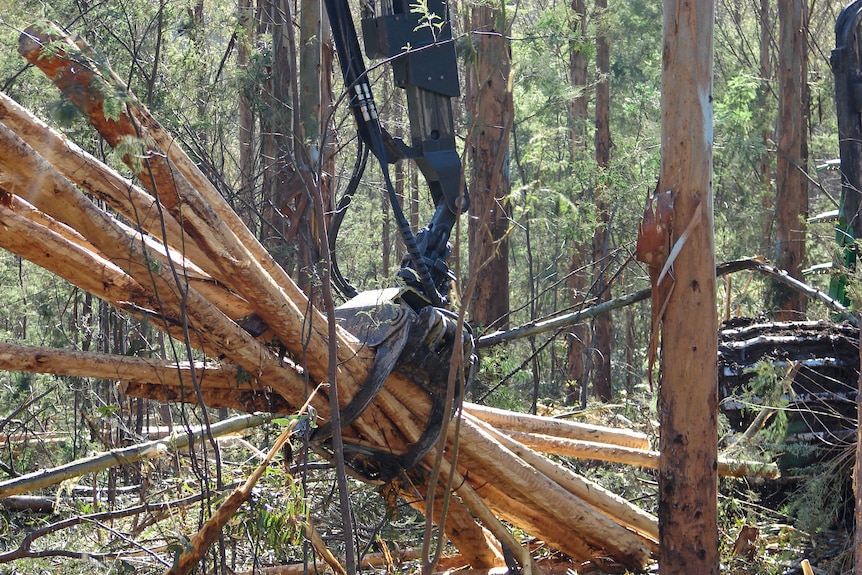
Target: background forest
247 87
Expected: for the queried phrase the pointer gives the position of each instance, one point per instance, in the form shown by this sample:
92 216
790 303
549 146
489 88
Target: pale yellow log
530 486
232 306
208 323
81 267
503 419
496 489
243 263
248 270
630 456
38 359
221 385
610 504
96 178
537 520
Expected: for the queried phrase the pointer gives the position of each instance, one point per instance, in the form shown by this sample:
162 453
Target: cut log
173 298
223 385
96 178
611 505
631 456
521 481
502 419
164 169
47 477
511 481
30 503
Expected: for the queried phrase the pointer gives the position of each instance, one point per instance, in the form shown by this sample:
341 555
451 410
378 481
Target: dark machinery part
408 327
417 40
847 68
416 344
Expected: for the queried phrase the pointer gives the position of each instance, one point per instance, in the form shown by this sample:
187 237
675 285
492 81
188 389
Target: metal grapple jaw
421 346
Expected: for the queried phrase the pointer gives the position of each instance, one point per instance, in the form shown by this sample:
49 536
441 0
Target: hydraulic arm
417 40
847 68
408 328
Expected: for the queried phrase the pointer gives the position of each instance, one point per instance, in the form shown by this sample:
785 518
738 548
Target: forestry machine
417 40
409 326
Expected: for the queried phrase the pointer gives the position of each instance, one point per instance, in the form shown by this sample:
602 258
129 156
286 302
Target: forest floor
766 526
113 522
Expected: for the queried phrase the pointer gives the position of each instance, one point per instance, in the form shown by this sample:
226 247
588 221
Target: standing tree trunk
791 204
601 337
276 130
578 337
246 204
688 397
857 474
310 132
766 124
491 100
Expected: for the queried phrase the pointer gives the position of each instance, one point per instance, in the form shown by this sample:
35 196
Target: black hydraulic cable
341 284
368 124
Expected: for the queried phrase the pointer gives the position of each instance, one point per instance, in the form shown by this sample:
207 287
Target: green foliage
186 70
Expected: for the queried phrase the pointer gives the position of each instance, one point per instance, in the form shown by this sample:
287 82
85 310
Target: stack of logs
188 265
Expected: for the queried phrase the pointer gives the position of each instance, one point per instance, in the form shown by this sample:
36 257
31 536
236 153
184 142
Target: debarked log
632 456
226 252
503 419
46 477
222 385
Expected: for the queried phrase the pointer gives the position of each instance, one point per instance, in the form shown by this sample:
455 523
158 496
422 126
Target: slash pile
172 251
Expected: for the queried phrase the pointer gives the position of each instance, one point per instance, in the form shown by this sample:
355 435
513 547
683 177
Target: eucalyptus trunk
490 96
791 203
601 336
577 339
688 389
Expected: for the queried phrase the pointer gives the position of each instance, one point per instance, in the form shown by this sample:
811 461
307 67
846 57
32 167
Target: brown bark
688 395
232 256
767 198
490 95
857 477
208 221
791 202
577 339
600 342
223 244
246 195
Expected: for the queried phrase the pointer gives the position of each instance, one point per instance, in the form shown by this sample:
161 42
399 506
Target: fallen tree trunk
222 385
633 456
524 422
495 473
211 329
569 319
46 477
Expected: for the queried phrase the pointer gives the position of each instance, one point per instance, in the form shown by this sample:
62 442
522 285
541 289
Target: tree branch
46 477
569 319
